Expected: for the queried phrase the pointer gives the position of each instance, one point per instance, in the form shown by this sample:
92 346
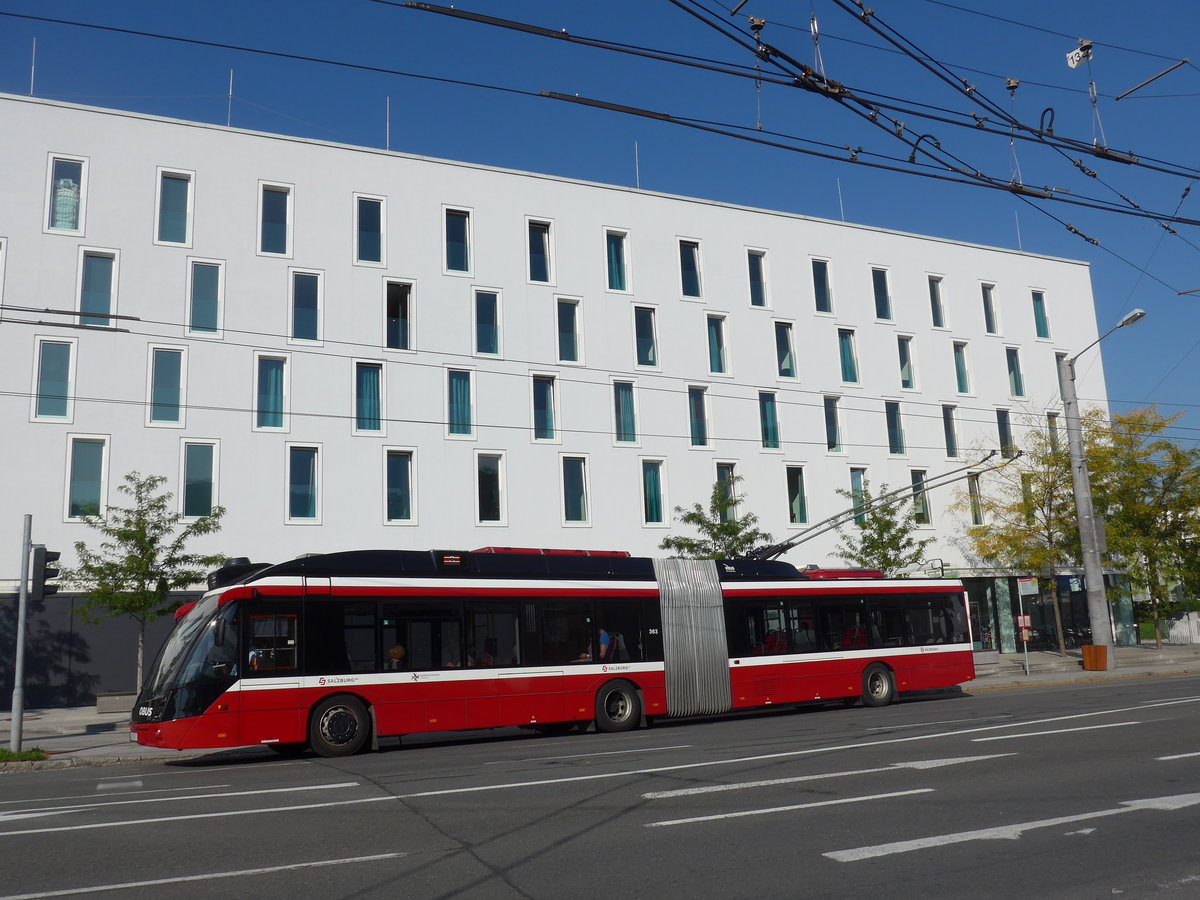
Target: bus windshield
174 651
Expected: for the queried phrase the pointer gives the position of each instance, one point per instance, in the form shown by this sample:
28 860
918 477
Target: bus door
421 641
493 654
271 708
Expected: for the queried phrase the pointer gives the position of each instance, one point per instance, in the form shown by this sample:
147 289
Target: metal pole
18 694
1093 574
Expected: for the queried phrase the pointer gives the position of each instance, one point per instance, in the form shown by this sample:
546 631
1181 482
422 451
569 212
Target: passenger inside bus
396 657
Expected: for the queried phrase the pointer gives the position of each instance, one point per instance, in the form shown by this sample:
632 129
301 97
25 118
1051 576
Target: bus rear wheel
339 726
878 687
618 707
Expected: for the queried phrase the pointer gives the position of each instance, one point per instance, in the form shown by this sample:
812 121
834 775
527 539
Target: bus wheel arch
618 706
878 685
339 725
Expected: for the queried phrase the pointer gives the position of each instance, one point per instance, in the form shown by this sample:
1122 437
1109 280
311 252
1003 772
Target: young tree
723 533
881 537
141 559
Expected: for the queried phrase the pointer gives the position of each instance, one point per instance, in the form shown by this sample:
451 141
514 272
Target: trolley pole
18 694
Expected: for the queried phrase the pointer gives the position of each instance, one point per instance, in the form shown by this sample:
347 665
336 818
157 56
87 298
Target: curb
86 762
970 687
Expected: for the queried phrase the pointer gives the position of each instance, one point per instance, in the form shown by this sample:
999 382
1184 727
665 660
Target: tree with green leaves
881 535
142 557
723 533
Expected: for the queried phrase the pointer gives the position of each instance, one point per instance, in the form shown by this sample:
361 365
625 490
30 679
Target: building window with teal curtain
539 252
895 428
306 306
1041 321
543 408
858 488
85 492
204 315
568 331
302 484
66 195
961 373
96 289
575 501
652 492
937 312
458 240
166 386
199 479
368 235
768 420
490 488
921 513
270 392
698 416
615 250
644 337
717 364
399 486
908 375
833 428
756 261
797 503
53 392
624 416
821 287
276 212
785 357
368 405
726 477
689 268
950 432
847 357
174 201
487 323
1004 432
989 309
883 299
458 402
1016 383
398 327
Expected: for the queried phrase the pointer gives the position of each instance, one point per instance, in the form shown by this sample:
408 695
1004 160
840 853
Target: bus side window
802 626
629 631
565 630
272 635
492 635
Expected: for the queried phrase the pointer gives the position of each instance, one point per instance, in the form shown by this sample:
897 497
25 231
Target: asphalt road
1082 791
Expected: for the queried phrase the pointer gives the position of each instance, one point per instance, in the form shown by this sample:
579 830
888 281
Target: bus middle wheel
878 687
339 726
618 707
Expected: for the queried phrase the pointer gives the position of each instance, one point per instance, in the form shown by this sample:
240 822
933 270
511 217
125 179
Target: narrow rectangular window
847 356
458 240
1041 321
1004 431
785 357
989 309
276 215
614 243
174 208
653 508
717 363
950 431
908 375
575 495
53 393
65 195
568 331
539 252
821 287
961 373
271 392
302 484
85 491
199 479
797 502
726 473
858 488
489 488
937 312
368 389
96 289
768 420
833 430
976 499
1016 384
921 514
644 337
368 230
487 323
306 306
399 486
204 312
895 427
458 402
166 386
624 415
1052 429
756 261
543 408
698 416
398 314
883 300
689 268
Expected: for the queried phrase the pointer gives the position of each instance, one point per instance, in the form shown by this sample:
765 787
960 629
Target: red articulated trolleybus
335 651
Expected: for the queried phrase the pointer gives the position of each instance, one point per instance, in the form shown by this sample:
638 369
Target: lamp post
1089 544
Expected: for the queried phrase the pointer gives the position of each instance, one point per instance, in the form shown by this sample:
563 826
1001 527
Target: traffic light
43 571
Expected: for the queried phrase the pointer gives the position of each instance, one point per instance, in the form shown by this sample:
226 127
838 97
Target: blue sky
1137 263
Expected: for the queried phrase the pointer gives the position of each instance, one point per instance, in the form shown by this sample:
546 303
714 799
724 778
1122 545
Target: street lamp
1089 544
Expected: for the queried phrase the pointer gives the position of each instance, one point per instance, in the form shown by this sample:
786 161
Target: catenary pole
18 694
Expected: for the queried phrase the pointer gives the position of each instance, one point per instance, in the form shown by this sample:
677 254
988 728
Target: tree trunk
1062 644
140 646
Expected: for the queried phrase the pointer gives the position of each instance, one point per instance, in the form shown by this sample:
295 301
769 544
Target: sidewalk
80 736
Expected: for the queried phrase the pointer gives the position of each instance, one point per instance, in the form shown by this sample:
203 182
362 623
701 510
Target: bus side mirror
219 633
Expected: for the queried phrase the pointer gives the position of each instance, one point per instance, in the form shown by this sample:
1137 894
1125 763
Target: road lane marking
183 879
717 788
1176 756
778 809
119 785
197 787
1011 832
1025 734
509 762
940 722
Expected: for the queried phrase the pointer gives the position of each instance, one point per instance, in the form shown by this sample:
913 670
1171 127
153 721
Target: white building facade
353 348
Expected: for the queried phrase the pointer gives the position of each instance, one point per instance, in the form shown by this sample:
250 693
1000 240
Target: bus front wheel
339 726
878 687
618 707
